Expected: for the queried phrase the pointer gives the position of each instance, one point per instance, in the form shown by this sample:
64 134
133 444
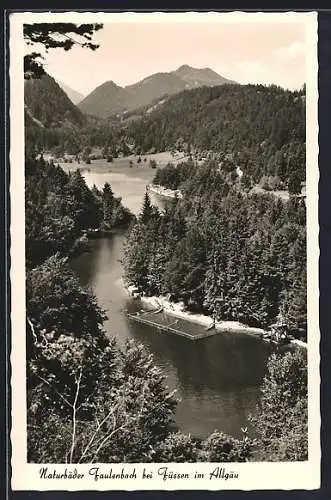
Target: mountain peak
185 70
198 77
201 75
183 67
109 98
110 84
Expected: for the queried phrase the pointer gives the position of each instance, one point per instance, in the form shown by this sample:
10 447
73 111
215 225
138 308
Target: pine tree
108 205
147 209
295 307
136 257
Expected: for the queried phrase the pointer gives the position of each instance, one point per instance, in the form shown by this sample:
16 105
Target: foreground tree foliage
281 420
54 296
52 36
218 447
113 404
83 401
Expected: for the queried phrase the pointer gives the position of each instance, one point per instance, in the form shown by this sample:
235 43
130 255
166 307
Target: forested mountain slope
49 104
54 123
262 127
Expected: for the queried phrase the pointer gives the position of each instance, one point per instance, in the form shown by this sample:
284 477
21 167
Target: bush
281 420
177 447
220 447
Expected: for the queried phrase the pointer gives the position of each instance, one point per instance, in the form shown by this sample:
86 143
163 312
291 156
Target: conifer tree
108 205
147 209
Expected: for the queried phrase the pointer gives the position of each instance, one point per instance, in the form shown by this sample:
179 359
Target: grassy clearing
128 165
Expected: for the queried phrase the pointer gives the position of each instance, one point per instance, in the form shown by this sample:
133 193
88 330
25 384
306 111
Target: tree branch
74 410
97 430
109 437
137 418
74 42
32 330
60 395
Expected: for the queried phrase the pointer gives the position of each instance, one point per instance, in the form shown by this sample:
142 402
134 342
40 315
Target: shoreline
178 310
162 191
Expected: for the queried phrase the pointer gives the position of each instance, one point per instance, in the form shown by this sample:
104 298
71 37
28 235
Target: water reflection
130 189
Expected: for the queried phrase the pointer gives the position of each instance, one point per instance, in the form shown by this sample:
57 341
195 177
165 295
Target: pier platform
168 323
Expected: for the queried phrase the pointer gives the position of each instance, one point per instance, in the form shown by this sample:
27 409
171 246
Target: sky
255 52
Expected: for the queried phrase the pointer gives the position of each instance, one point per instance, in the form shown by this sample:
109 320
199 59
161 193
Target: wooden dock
153 318
168 323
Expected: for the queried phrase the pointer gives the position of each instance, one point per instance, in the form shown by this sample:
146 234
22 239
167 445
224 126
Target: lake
127 177
218 378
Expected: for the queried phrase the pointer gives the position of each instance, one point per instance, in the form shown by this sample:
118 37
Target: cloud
271 72
289 52
251 71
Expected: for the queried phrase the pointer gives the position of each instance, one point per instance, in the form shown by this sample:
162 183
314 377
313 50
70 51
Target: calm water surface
217 379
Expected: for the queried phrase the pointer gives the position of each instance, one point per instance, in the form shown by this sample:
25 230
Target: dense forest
60 207
262 129
66 138
39 98
221 250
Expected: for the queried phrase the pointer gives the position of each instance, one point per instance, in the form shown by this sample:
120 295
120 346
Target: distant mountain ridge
109 99
73 95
